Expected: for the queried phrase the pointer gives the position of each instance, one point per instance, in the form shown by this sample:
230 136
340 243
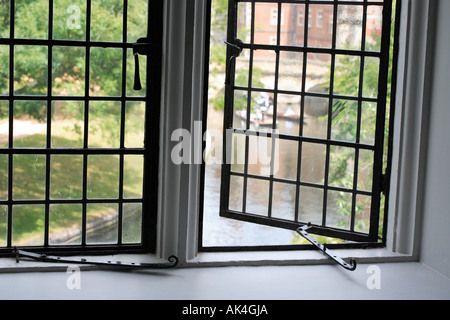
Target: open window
78 171
306 116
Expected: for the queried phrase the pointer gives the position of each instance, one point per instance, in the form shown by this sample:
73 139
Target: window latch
172 261
323 247
141 47
236 50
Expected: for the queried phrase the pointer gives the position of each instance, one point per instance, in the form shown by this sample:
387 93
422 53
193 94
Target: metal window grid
150 163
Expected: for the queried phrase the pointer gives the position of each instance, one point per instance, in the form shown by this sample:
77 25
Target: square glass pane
374 28
4 19
292 29
4 176
242 69
68 71
244 21
368 118
65 224
31 19
132 223
259 155
283 201
362 213
236 158
4 124
134 124
339 209
69 19
133 176
288 114
349 27
236 193
318 73
320 35
103 177
29 177
266 23
28 225
342 166
107 20
67 124
102 223
263 75
371 77
240 109
105 73
131 72
137 19
346 75
261 111
4 71
3 225
290 71
104 124
287 158
310 205
316 117
313 163
257 197
30 70
365 170
30 124
66 176
344 125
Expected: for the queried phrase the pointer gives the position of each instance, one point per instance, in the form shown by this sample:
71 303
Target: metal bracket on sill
303 232
173 261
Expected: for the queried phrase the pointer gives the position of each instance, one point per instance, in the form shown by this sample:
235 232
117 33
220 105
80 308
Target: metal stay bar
173 261
303 232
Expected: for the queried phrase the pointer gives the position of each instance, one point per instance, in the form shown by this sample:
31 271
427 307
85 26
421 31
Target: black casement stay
307 50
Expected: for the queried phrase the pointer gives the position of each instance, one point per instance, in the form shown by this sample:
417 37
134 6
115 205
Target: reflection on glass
107 20
137 19
65 224
4 71
68 71
236 193
283 202
132 223
339 208
102 223
29 177
290 71
67 124
31 19
287 159
66 179
103 177
69 19
105 73
3 225
345 118
30 127
28 225
257 196
104 124
134 124
362 213
4 176
4 124
310 205
30 70
342 161
133 176
313 163
349 27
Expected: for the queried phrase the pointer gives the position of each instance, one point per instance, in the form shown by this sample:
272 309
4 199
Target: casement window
305 127
79 109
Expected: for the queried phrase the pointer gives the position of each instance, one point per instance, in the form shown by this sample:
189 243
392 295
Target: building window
304 136
77 161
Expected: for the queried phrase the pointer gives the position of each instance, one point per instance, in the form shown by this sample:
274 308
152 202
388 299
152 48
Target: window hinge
303 232
173 261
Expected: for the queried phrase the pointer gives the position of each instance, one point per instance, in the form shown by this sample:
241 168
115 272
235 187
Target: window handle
143 47
236 50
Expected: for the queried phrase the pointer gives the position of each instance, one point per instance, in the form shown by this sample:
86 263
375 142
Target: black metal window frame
151 135
380 177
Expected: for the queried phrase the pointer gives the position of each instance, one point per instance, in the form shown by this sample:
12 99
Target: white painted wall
435 246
